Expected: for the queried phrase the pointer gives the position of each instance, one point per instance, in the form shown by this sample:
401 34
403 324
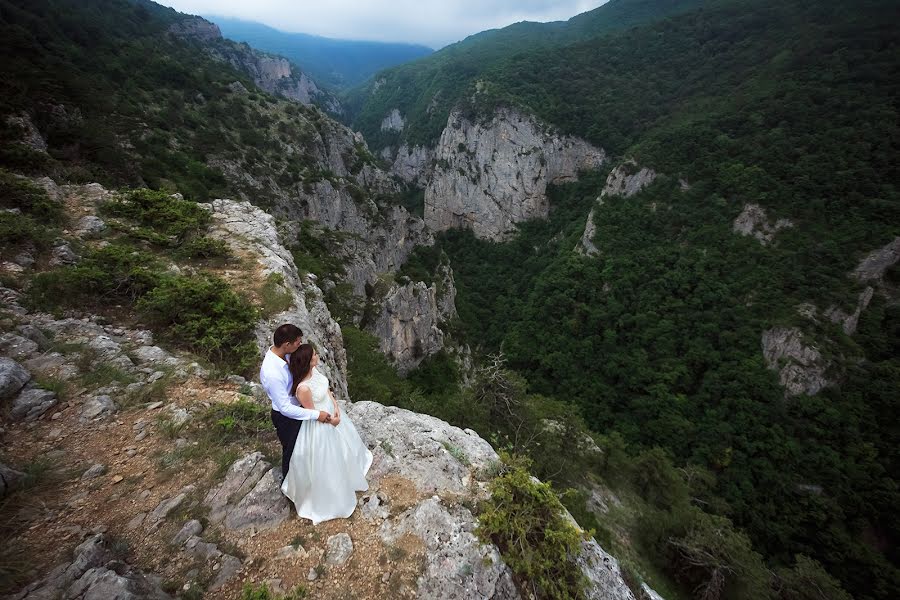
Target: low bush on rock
527 522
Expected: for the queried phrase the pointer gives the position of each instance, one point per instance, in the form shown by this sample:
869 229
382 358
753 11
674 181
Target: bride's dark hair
299 365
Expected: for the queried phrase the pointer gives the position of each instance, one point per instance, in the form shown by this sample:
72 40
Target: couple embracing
324 461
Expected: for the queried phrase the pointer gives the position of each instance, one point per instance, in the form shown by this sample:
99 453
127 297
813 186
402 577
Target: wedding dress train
329 463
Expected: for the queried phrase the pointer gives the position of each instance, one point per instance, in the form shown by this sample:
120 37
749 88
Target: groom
275 377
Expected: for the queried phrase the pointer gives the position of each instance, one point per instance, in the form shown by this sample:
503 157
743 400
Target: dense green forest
791 105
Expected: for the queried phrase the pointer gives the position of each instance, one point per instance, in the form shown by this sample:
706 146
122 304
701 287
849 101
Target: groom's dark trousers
287 430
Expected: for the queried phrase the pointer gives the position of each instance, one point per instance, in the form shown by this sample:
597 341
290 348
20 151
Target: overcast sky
434 23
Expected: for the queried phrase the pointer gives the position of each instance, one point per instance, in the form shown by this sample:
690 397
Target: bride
330 461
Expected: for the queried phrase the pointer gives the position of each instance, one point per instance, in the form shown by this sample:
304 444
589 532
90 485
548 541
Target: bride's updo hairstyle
299 364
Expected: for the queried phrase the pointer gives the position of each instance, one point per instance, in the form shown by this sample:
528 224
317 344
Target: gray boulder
169 504
62 254
16 346
190 529
90 227
31 404
94 574
13 377
9 478
338 549
263 507
98 407
242 476
35 335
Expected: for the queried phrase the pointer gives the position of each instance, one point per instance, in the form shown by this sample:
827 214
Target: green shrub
203 315
203 247
160 217
115 272
526 521
17 230
31 199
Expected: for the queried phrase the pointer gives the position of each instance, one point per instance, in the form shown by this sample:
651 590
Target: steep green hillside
122 102
337 64
426 90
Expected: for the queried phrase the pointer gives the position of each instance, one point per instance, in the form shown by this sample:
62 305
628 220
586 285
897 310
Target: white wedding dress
329 463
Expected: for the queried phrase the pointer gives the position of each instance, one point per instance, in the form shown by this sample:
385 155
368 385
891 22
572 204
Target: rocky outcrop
458 565
409 324
394 121
850 321
196 28
29 134
627 179
413 165
870 271
250 231
250 496
800 365
95 573
442 462
873 267
269 72
586 246
490 176
753 221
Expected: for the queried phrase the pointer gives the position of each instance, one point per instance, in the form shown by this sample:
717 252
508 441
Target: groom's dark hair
286 333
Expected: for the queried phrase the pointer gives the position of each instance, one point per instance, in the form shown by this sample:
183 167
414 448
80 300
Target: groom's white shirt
275 377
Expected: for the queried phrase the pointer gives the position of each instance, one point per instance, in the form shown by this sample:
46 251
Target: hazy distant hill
332 63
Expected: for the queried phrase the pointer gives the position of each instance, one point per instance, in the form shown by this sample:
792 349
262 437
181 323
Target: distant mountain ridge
333 63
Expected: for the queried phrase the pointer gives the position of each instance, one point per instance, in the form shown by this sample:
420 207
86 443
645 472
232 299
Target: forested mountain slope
773 119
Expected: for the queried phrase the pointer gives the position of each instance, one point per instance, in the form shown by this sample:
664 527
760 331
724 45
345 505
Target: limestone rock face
30 136
627 180
394 121
753 221
196 28
490 176
413 165
801 366
269 72
409 323
875 265
249 230
94 573
380 240
605 581
250 496
458 565
586 246
849 322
